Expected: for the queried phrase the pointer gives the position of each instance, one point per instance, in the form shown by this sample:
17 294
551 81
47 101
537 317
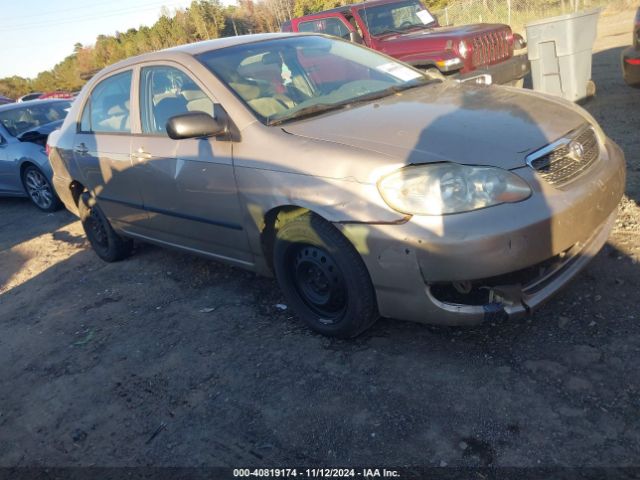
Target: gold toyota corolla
369 188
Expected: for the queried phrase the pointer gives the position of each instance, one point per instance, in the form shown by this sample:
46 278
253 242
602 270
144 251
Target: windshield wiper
307 112
418 27
389 30
325 107
388 91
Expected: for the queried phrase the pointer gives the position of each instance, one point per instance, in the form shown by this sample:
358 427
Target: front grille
490 48
565 160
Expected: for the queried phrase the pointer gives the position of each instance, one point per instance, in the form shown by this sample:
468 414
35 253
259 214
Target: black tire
323 277
107 244
40 190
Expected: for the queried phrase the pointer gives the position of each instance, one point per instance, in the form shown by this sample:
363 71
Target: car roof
16 105
343 8
196 48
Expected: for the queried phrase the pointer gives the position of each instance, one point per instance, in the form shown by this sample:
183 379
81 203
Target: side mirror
195 125
355 37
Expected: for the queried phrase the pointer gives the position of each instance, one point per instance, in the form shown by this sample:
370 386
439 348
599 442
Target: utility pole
233 22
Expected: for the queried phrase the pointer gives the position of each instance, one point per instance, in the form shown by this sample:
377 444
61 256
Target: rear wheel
39 189
324 277
107 244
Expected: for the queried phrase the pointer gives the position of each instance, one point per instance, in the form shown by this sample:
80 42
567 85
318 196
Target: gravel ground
167 359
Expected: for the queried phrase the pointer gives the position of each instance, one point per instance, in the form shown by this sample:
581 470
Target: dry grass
518 13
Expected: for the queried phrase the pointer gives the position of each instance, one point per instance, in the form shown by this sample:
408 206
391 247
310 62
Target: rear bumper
507 72
560 229
62 188
631 66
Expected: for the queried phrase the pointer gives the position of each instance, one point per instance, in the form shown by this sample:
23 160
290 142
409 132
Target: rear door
188 186
102 149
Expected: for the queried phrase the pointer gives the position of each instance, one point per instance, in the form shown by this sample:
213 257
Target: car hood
448 33
40 134
448 121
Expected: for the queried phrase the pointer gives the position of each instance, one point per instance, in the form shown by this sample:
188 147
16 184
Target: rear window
19 120
107 110
329 26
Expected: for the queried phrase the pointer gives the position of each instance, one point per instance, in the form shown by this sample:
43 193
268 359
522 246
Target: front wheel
323 277
107 244
39 189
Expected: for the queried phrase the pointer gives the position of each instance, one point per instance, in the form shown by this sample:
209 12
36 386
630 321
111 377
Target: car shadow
20 222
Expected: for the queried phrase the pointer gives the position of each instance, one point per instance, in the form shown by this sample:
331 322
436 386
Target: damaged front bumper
516 300
500 262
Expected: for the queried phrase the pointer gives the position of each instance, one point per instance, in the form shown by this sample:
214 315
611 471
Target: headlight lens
442 188
462 49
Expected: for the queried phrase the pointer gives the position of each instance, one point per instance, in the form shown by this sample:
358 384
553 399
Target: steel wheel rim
97 231
319 282
38 188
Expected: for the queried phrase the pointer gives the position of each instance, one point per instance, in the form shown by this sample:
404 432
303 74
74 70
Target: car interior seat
115 110
197 101
166 108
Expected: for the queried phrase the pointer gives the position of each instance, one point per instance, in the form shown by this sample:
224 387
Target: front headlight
440 188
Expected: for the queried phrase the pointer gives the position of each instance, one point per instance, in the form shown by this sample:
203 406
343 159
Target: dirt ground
166 359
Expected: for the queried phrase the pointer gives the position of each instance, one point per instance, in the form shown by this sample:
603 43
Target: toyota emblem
577 150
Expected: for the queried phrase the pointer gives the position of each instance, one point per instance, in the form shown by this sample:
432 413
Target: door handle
141 155
81 149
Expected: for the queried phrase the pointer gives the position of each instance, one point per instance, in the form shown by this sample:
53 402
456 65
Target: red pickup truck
406 30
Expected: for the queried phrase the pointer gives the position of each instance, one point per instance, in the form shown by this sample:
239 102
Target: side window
107 110
166 92
330 26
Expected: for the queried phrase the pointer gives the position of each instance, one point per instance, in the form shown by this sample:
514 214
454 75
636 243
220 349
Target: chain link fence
516 13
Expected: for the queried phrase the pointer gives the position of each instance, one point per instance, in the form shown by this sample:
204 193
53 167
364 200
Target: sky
37 34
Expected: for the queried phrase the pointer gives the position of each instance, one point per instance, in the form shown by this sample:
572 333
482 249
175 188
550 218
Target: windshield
19 120
396 17
290 78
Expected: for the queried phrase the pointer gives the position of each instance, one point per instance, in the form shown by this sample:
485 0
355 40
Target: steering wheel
406 23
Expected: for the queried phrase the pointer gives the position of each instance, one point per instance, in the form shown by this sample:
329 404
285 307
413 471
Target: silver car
367 187
24 165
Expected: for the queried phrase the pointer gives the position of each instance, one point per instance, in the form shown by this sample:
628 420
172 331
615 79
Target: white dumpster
560 51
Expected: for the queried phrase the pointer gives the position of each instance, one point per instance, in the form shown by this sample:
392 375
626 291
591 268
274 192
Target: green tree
202 20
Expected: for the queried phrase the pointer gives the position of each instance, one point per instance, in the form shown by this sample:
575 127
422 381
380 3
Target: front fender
33 154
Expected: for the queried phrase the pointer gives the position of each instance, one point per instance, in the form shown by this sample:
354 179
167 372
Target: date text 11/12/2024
315 473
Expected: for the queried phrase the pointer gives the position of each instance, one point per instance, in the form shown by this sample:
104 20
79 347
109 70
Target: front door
188 186
102 150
